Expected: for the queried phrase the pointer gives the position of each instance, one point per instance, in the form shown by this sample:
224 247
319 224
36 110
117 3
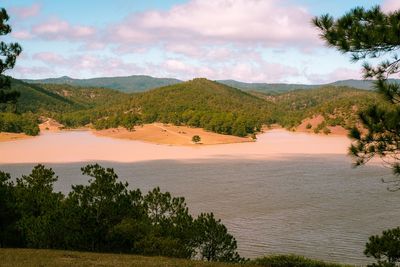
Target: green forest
197 103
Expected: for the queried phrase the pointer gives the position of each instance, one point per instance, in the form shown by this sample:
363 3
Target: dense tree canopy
372 34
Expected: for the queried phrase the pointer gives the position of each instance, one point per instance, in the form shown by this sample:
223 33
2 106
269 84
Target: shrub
196 139
385 249
291 261
326 130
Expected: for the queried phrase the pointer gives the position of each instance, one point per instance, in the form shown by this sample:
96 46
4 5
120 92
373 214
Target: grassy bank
57 258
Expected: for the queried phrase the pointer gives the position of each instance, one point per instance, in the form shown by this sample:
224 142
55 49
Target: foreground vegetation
106 216
59 258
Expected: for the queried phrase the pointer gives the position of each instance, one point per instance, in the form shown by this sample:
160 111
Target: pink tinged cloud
56 29
269 23
26 12
391 5
49 57
22 35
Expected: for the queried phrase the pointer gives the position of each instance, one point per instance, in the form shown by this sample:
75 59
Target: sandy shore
314 122
50 125
79 146
167 134
160 133
7 137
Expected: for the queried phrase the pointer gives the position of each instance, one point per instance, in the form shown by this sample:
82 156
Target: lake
271 200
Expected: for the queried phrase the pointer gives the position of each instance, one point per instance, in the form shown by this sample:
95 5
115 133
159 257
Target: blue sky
246 40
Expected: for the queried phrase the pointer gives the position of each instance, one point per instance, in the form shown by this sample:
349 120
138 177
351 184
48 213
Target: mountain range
141 83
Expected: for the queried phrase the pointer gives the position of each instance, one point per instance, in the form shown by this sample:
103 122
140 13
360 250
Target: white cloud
269 23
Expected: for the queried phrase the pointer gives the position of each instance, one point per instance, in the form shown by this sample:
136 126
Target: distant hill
266 87
283 87
141 83
128 84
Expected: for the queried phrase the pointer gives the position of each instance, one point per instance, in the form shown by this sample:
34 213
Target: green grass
292 261
57 258
44 257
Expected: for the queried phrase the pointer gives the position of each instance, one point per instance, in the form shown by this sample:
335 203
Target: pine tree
370 34
8 55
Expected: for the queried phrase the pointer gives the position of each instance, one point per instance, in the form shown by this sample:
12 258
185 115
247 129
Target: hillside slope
206 104
338 106
47 98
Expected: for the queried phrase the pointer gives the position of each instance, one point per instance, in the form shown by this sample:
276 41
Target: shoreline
11 137
167 134
85 146
171 135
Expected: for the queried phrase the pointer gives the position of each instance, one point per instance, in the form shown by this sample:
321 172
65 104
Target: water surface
286 193
313 205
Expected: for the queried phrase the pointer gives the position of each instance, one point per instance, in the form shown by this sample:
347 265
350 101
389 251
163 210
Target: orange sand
5 137
50 125
172 135
315 121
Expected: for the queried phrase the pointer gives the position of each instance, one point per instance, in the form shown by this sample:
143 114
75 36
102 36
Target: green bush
385 248
16 123
326 130
291 261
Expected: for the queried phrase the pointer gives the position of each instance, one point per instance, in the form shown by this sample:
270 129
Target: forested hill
128 84
141 83
339 105
37 100
199 103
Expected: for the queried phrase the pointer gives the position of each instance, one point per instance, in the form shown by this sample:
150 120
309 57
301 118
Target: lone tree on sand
8 55
196 139
369 34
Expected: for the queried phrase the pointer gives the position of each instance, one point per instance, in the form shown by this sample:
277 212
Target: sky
246 40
